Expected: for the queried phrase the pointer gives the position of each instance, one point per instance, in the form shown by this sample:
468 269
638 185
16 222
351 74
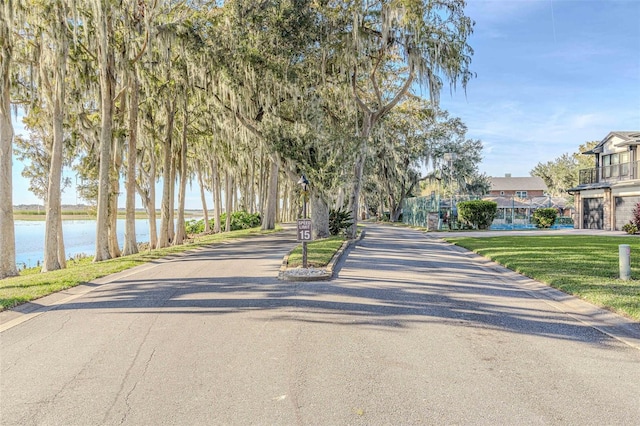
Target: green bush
478 214
630 228
544 218
194 226
239 220
339 220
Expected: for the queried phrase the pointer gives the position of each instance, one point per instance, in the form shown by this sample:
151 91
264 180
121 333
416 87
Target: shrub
478 214
630 228
339 221
239 220
636 216
544 218
194 226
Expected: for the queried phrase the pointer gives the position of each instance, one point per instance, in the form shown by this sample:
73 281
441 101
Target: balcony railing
610 174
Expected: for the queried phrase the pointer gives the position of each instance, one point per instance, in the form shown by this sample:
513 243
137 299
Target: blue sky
551 75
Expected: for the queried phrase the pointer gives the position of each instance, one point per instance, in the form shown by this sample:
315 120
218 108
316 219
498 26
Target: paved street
411 331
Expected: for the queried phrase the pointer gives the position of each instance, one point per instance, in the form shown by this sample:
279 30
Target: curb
325 273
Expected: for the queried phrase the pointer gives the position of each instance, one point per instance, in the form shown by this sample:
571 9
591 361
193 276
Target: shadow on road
389 280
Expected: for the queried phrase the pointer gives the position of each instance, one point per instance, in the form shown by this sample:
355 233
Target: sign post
304 224
304 235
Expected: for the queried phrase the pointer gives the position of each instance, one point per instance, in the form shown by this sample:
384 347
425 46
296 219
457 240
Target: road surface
412 331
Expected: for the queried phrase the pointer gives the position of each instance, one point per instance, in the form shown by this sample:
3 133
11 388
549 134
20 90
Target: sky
551 75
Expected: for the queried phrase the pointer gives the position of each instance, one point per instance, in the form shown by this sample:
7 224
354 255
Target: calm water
79 238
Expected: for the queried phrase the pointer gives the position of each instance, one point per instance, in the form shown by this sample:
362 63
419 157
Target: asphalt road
412 331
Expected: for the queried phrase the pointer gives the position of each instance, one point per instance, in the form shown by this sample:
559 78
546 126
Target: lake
79 238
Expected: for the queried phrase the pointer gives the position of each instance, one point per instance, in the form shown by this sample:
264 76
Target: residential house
519 187
607 194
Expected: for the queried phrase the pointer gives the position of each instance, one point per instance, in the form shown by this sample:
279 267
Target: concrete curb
325 273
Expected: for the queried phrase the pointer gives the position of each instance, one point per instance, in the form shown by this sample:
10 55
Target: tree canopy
241 95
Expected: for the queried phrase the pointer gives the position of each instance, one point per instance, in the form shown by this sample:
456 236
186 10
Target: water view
79 238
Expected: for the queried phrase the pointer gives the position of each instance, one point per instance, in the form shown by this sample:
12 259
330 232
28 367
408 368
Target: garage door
593 213
624 210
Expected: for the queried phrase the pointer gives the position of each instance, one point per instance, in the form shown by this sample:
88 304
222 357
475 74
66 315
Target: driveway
412 331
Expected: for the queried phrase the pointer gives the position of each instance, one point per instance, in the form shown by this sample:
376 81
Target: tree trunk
107 74
7 231
269 218
339 204
203 199
252 186
217 195
229 199
319 216
130 243
54 207
148 195
163 239
54 258
285 202
62 257
181 232
114 246
262 192
293 206
172 200
354 197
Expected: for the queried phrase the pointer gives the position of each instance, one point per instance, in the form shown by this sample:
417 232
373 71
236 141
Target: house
519 187
607 194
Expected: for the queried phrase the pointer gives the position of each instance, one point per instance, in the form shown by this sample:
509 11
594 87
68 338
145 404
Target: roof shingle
529 183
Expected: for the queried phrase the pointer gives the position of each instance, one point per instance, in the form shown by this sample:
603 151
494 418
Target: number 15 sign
304 230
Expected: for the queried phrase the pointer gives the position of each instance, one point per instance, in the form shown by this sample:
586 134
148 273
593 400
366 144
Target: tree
137 26
104 17
585 161
7 232
559 175
53 71
384 47
562 173
408 149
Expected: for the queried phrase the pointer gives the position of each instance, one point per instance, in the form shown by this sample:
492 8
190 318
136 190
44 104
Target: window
614 165
501 192
521 194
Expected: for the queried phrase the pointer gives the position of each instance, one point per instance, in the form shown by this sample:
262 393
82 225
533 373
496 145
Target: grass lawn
31 284
585 266
319 252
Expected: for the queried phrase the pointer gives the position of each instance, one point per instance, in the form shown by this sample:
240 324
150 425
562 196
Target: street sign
304 230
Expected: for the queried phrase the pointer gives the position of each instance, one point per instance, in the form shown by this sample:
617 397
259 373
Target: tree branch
388 107
359 101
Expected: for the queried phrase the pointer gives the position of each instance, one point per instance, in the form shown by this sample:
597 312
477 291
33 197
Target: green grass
584 266
31 284
319 252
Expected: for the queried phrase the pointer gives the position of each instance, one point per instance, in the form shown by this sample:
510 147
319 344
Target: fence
434 213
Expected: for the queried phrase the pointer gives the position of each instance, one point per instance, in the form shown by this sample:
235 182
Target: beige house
607 194
519 187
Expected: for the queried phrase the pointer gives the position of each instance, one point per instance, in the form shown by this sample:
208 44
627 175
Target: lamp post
304 182
449 157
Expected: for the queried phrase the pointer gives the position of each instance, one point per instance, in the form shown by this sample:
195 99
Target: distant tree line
563 173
